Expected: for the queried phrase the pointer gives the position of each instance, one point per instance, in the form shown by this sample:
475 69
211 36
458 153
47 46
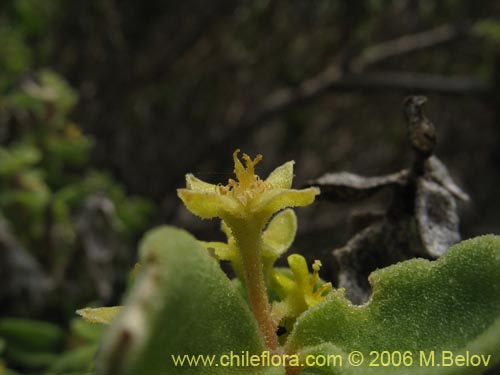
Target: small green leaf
451 304
280 232
181 304
102 315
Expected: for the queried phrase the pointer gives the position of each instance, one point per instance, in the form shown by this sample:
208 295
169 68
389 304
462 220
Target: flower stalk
249 242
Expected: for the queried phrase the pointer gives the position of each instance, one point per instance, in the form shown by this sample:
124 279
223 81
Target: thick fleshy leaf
280 232
102 315
278 199
281 177
182 304
195 184
208 205
420 306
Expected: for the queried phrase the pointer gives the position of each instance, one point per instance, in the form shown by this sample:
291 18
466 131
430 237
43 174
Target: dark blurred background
105 105
173 87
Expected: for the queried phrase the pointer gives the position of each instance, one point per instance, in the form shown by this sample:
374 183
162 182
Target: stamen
316 265
247 184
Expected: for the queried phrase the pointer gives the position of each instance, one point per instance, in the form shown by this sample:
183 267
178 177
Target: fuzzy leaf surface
452 304
181 304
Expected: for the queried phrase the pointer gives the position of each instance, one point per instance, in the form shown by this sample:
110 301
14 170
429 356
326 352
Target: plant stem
249 241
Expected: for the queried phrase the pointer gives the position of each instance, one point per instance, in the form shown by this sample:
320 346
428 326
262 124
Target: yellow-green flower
300 293
247 197
246 205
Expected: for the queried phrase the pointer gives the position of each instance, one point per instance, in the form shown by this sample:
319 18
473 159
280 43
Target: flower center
247 184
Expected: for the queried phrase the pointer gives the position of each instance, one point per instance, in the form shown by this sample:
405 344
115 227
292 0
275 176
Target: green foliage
181 303
44 168
418 306
184 304
24 37
29 334
36 345
83 338
450 304
14 55
45 178
29 343
45 183
75 361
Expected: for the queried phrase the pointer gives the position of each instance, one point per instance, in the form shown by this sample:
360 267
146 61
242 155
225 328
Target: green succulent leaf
182 303
451 305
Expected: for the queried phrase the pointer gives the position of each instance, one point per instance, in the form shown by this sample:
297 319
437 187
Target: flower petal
207 205
282 284
276 199
280 232
282 176
298 265
195 184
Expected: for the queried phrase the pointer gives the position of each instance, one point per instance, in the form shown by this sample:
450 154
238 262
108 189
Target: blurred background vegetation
105 105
